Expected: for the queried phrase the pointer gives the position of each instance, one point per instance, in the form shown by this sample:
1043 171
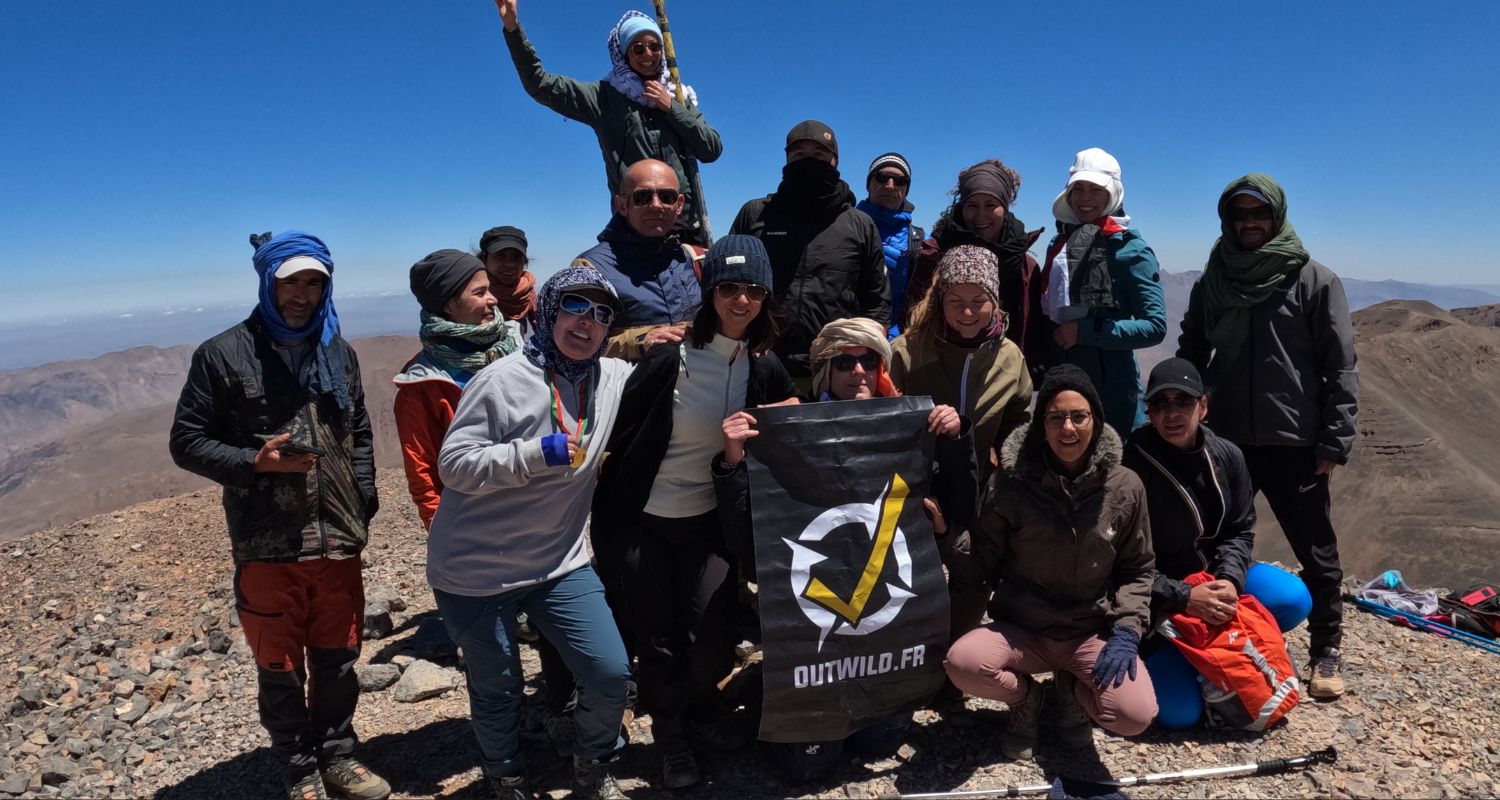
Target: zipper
1223 499
1186 498
729 380
312 428
963 384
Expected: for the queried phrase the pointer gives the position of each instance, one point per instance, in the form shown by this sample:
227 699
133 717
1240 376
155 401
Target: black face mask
811 183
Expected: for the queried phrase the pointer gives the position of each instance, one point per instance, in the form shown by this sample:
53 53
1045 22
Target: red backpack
1243 666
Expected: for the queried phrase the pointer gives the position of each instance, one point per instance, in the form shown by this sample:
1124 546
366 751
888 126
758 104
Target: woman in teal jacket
633 109
1103 291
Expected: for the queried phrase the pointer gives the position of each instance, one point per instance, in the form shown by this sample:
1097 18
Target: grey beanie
737 258
441 275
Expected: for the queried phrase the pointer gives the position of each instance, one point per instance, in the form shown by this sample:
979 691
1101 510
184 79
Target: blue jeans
1178 699
571 613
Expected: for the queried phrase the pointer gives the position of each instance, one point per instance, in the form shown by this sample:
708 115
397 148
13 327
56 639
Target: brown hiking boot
1018 742
306 787
1327 680
354 780
1075 728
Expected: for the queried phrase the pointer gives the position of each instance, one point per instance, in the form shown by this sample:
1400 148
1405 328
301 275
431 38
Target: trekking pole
690 165
1274 766
1425 624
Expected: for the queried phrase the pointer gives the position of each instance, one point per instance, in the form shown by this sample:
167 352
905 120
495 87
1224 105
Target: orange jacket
426 398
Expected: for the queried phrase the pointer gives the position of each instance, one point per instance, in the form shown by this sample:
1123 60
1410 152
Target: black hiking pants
1304 510
681 597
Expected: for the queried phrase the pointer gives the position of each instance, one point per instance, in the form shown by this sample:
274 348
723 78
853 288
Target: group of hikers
577 450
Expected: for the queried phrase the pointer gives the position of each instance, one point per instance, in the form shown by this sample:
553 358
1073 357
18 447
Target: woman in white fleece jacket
518 467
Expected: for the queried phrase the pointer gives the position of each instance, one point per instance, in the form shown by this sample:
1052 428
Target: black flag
853 605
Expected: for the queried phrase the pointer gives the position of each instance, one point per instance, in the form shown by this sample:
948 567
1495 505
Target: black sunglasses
895 177
642 197
1262 213
1181 402
844 362
640 48
1055 419
728 290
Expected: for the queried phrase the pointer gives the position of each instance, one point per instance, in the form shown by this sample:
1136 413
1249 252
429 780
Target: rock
424 680
431 641
14 785
374 677
58 770
385 597
218 642
132 709
403 661
378 623
124 688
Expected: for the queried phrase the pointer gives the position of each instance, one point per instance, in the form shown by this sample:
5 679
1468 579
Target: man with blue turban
273 410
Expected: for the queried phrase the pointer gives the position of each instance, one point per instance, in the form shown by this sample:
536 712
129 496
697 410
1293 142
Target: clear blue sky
142 142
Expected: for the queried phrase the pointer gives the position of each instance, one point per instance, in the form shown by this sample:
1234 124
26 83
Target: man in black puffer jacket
826 255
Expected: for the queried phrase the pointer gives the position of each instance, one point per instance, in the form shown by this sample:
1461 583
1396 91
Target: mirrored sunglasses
578 306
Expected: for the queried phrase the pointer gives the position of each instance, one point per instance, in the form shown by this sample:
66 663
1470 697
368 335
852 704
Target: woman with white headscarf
633 109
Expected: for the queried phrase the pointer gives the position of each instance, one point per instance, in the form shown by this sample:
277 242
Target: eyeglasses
728 290
1055 419
1262 213
844 362
642 197
1180 402
578 306
897 178
641 48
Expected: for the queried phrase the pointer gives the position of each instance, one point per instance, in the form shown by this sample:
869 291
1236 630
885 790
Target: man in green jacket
633 110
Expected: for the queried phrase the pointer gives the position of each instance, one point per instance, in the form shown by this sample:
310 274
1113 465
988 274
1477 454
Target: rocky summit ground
122 674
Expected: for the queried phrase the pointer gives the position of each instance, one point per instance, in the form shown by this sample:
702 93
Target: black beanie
441 275
737 258
1070 378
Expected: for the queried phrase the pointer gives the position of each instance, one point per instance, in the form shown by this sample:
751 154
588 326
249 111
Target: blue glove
1117 658
555 450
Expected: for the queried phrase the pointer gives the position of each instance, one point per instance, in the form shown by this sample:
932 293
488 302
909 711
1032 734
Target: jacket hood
1022 452
422 368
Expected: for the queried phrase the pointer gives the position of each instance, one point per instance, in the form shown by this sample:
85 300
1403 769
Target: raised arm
573 99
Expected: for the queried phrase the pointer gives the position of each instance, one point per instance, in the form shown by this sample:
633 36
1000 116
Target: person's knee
1283 594
1179 713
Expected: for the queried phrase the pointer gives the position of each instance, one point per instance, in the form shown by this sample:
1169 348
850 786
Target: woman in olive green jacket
633 109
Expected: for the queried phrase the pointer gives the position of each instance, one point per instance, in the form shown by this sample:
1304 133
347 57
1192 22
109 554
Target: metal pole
1431 626
690 165
1273 766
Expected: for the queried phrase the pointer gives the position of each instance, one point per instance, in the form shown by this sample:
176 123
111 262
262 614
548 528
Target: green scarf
1235 279
468 348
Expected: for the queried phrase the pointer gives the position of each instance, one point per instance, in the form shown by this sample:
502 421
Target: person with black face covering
826 256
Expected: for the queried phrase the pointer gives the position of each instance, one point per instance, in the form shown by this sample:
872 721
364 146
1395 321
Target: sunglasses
1181 402
1056 419
641 48
728 290
1262 213
897 178
642 197
844 362
578 306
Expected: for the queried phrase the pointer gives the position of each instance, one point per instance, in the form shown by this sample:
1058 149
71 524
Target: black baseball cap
1175 373
813 131
499 238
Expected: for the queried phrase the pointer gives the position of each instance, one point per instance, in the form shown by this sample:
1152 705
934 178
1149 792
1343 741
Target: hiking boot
561 732
1018 742
679 770
354 780
592 780
1327 675
1075 728
515 787
308 786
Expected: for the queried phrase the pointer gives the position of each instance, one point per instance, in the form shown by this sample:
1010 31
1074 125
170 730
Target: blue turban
329 372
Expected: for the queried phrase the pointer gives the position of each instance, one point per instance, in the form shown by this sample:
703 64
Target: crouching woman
1062 531
518 468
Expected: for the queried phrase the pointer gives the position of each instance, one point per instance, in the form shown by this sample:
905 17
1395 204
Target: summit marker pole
669 49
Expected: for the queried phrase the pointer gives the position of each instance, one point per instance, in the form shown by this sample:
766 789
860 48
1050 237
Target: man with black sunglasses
826 255
1269 329
888 182
654 272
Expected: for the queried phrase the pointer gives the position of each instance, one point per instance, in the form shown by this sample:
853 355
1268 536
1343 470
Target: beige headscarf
842 334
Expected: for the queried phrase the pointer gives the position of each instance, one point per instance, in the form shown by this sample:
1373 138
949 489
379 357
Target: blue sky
143 142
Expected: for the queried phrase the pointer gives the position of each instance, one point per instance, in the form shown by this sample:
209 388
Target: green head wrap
1235 279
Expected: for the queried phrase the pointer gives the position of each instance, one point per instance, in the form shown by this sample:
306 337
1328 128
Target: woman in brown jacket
1062 533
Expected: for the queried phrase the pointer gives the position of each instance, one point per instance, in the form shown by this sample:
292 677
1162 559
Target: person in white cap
1269 330
1103 292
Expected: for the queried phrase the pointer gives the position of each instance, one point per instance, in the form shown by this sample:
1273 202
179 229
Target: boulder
374 677
378 623
385 597
424 680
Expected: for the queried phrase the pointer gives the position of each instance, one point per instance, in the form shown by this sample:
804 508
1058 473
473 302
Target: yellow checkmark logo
885 532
